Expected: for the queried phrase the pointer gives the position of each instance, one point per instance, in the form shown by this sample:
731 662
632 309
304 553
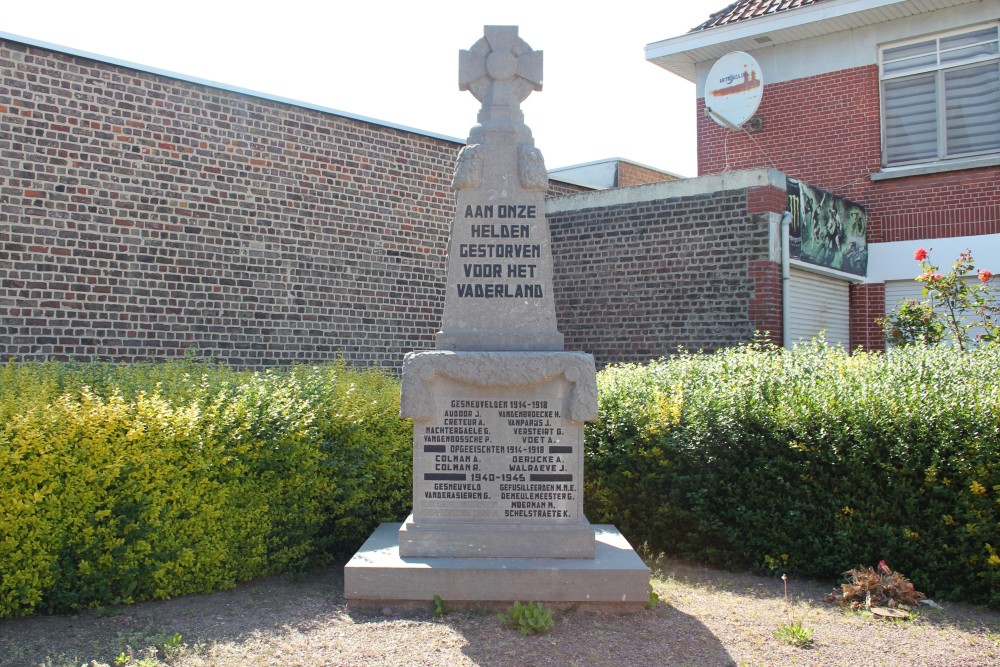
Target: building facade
892 104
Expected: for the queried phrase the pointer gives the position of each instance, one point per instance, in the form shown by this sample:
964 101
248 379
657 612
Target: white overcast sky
397 60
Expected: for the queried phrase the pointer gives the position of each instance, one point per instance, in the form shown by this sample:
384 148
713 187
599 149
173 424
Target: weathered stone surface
500 70
499 291
523 539
498 453
498 369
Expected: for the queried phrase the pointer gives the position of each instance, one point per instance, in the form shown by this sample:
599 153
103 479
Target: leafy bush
529 619
122 483
808 459
912 322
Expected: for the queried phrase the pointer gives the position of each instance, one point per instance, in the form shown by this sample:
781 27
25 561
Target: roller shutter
819 303
898 291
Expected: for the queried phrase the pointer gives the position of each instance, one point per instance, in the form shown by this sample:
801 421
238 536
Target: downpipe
786 275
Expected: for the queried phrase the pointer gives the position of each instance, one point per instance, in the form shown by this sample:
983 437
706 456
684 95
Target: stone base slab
377 578
495 540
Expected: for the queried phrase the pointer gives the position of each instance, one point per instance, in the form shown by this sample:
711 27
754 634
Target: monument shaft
499 294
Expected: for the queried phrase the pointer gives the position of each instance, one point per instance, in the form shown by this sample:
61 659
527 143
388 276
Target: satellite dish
733 89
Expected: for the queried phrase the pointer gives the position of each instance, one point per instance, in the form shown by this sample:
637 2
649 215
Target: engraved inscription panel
499 454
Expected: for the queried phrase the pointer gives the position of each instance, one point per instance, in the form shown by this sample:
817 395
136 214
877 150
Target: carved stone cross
500 70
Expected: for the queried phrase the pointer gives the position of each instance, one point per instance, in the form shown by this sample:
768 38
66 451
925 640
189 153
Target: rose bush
954 309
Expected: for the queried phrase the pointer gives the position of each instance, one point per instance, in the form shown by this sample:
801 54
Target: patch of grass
795 634
441 607
653 600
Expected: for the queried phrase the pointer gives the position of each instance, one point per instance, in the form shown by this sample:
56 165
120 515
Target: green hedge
123 483
809 460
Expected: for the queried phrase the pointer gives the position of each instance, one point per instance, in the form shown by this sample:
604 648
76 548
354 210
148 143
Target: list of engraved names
504 458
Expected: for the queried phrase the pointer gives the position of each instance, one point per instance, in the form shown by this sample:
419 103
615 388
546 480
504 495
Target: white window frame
939 70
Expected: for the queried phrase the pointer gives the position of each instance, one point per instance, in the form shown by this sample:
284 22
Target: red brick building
893 104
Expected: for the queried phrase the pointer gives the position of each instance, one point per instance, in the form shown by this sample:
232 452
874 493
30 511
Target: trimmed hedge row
810 460
124 483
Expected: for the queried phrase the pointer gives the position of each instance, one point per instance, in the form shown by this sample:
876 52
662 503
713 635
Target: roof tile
744 10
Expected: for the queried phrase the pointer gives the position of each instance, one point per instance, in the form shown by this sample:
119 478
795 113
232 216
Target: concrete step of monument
378 579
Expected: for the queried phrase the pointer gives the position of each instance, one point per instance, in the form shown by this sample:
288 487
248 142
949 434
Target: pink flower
920 255
883 567
936 276
985 275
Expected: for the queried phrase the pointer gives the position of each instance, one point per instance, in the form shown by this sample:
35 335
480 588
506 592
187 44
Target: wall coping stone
687 187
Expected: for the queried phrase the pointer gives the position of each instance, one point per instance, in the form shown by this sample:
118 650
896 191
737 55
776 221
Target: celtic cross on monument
500 70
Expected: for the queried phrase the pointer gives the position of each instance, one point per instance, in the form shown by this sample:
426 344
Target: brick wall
825 131
867 306
633 281
142 215
630 173
764 308
561 189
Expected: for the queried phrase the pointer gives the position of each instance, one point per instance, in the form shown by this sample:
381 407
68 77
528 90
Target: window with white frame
941 96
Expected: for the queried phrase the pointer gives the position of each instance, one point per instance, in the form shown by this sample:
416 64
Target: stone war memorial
499 406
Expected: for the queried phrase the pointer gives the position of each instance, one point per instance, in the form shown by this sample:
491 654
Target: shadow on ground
660 636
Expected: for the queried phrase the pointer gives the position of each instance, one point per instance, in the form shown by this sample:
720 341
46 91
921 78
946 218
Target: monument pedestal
498 453
377 579
497 492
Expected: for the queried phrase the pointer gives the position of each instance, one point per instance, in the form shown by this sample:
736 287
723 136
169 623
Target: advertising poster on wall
827 230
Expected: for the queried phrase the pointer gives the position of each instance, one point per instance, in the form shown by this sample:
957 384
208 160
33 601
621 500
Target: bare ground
706 617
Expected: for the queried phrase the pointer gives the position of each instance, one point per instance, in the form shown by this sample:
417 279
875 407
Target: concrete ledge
376 578
495 540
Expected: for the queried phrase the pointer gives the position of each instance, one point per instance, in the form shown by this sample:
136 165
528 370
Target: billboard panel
827 230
